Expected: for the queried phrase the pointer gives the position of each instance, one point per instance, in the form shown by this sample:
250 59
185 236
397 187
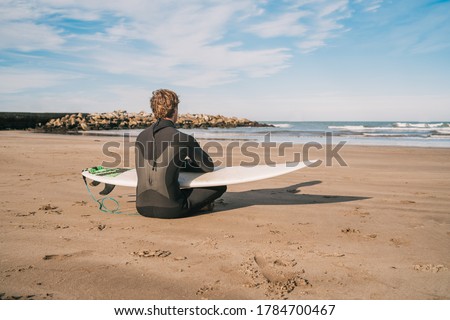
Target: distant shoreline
71 123
218 127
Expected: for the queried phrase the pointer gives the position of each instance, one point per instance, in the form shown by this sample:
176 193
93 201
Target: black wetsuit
161 152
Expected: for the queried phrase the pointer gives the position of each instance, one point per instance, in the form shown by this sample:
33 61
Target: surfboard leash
101 201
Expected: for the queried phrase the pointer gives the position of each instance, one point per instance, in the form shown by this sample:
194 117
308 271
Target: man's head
164 104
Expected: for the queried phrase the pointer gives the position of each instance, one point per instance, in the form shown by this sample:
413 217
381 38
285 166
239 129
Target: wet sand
378 228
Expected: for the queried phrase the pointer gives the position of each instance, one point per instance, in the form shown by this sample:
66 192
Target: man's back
161 152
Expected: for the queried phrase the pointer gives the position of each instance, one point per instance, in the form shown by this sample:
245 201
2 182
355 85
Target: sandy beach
378 228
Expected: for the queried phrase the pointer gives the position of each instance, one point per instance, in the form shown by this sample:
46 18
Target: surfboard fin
107 190
94 183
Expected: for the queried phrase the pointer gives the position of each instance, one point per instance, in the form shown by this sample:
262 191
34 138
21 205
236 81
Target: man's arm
199 160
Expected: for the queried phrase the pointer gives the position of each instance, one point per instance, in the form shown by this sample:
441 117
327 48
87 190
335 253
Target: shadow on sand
271 196
280 196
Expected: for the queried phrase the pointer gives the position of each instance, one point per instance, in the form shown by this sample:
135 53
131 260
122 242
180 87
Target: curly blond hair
163 103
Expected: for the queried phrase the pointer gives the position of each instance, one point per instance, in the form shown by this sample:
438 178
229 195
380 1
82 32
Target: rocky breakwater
124 120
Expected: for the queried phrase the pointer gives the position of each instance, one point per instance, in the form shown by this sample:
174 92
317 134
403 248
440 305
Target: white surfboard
127 177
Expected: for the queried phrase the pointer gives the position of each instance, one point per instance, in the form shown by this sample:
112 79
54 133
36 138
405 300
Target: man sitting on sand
161 152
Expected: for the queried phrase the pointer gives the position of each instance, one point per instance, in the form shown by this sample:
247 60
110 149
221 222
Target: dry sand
377 229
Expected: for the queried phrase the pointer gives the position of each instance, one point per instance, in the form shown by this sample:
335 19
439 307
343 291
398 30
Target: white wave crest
418 125
281 125
395 135
347 128
443 132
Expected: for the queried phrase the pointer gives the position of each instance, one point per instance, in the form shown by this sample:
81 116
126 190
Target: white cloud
183 44
229 65
18 80
373 5
309 22
325 25
331 7
202 67
25 36
285 25
20 31
16 10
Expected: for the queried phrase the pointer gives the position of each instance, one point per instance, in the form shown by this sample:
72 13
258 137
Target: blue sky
265 60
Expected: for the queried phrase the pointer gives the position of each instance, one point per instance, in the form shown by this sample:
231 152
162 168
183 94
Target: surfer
161 152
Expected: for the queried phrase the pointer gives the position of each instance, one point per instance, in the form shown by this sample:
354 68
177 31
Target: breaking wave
282 125
420 125
396 130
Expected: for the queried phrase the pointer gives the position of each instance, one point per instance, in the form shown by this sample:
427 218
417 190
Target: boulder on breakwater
123 120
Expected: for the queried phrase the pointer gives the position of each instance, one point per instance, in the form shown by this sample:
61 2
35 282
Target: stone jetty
123 120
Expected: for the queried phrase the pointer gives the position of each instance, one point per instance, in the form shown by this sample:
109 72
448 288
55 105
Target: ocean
416 134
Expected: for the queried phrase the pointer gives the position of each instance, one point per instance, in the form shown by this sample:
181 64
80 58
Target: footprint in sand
18 269
56 256
430 267
407 202
3 296
152 253
65 256
180 258
50 209
331 255
279 281
208 242
350 230
61 227
97 226
263 225
30 213
207 288
358 212
398 242
80 203
270 274
275 232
